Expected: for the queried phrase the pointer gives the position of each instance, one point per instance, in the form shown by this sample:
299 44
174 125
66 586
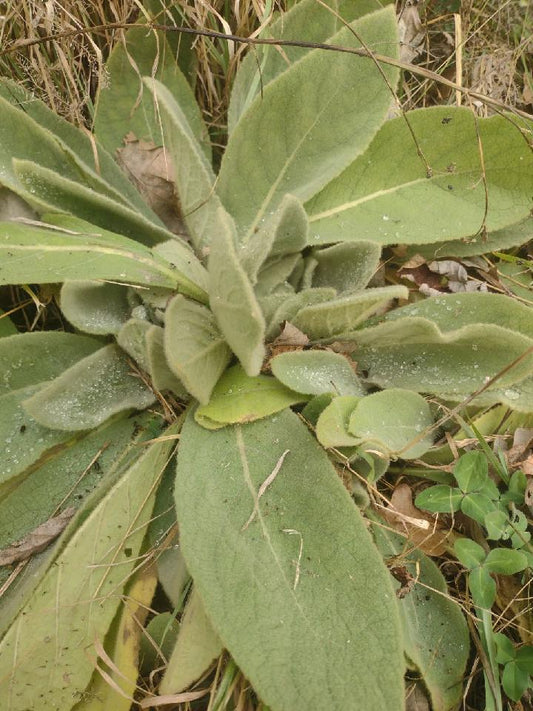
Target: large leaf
306 20
317 131
122 106
343 314
452 311
282 560
78 250
50 191
193 174
346 266
79 145
64 479
75 602
195 350
89 392
232 299
386 195
238 398
436 635
413 353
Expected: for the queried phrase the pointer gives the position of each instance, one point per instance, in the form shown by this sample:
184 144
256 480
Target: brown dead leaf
290 339
456 276
419 527
416 698
411 32
150 170
404 577
37 540
521 448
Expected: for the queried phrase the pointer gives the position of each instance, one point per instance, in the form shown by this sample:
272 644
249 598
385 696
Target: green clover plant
167 401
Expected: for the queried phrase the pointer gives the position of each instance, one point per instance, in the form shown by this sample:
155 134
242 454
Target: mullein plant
218 378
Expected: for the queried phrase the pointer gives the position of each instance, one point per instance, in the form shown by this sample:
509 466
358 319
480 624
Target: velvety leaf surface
413 353
76 600
275 273
317 131
285 233
239 398
315 372
436 635
287 589
341 315
395 420
132 339
306 20
195 349
291 304
88 152
232 299
123 106
386 195
193 174
50 191
197 647
452 311
89 392
162 376
95 307
333 421
346 266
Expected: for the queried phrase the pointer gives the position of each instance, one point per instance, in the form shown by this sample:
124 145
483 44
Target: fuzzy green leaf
317 131
396 420
195 350
232 299
162 376
346 266
132 339
413 353
89 392
316 372
90 571
7 327
239 398
291 304
287 589
193 173
122 106
345 313
197 646
332 423
379 197
95 307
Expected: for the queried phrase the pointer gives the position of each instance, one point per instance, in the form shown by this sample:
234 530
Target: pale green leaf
386 195
505 561
332 423
193 174
30 254
469 553
276 272
412 353
232 299
291 304
306 20
285 233
181 258
345 313
239 398
439 499
346 266
50 191
94 161
75 602
483 588
396 420
94 306
315 372
452 311
284 571
162 376
195 350
197 647
318 132
517 278
64 479
436 635
89 392
122 105
515 680
518 396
